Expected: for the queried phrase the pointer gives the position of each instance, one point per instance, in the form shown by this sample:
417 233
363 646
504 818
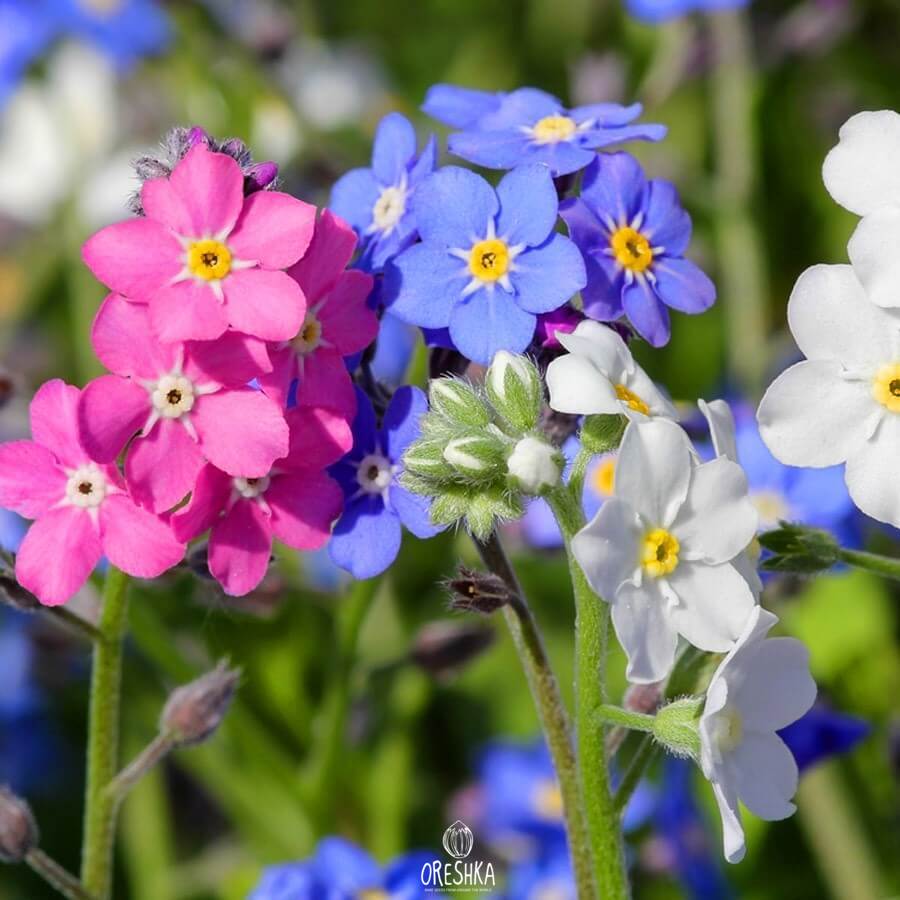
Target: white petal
732 829
653 469
873 250
812 416
861 172
717 520
577 387
872 473
608 547
719 417
831 317
766 775
776 688
642 384
746 566
640 618
714 604
602 345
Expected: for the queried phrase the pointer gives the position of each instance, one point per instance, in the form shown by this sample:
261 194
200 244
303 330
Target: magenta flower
338 323
187 403
205 257
82 510
296 502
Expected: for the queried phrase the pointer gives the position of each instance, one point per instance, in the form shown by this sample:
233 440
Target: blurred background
385 718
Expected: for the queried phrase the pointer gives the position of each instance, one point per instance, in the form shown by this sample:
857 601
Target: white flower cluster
669 553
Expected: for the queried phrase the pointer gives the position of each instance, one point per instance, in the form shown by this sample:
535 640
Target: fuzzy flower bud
675 726
534 467
481 592
194 711
514 386
18 830
459 402
600 434
426 459
477 456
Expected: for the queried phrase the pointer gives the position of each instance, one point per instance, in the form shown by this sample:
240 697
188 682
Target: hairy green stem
885 566
154 753
551 712
617 715
591 636
103 738
61 880
579 469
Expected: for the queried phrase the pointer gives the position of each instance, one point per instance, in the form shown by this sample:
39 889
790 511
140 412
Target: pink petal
232 359
274 229
266 304
241 431
136 257
31 482
331 249
209 497
240 547
277 383
326 382
211 187
347 321
163 204
304 506
187 311
136 541
54 421
58 554
123 341
162 467
319 437
110 411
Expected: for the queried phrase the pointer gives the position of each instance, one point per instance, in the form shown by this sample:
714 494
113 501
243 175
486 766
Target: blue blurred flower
377 201
660 10
23 35
547 875
489 260
393 350
822 733
366 538
531 126
633 234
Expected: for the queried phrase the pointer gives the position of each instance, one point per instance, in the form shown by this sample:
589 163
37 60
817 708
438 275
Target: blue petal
401 424
394 350
344 867
457 106
353 198
292 881
365 429
683 285
666 224
379 249
646 312
522 107
584 227
454 205
822 733
426 162
414 511
366 538
488 321
607 114
422 285
403 878
602 297
539 526
528 205
492 149
614 187
545 277
393 149
607 137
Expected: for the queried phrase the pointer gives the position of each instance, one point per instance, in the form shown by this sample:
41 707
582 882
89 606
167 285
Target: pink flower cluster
212 291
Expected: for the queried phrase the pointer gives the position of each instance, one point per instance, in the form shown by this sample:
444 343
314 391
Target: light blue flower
24 33
822 733
661 10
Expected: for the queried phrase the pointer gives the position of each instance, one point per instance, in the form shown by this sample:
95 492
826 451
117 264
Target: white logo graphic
458 840
458 876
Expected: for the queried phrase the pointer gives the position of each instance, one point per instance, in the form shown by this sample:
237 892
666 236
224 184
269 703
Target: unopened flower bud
481 592
643 698
441 648
514 386
259 176
477 456
799 549
18 830
426 458
458 401
600 434
534 467
194 711
675 726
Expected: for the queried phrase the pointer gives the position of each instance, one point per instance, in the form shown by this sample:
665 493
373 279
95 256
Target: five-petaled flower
488 263
633 234
83 510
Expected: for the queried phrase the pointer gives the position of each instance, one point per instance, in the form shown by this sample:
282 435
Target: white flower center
389 208
86 486
727 729
251 488
173 396
374 473
310 335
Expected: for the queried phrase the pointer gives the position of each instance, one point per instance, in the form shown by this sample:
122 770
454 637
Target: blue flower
503 131
24 32
377 201
489 260
366 538
633 234
547 875
822 733
660 10
393 351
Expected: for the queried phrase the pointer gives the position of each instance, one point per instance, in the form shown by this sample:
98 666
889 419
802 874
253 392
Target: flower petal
683 286
232 359
347 321
646 312
318 438
666 224
402 420
209 495
459 107
211 187
54 421
608 547
414 511
528 205
304 506
366 539
452 206
423 284
576 387
721 427
732 829
240 548
871 474
121 338
327 256
162 203
614 187
353 197
327 382
266 304
393 148
873 252
487 321
31 482
162 467
187 310
136 541
766 776
111 410
545 277
274 229
647 636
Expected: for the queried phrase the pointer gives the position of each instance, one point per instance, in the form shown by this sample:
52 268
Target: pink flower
82 510
206 257
338 323
188 402
296 502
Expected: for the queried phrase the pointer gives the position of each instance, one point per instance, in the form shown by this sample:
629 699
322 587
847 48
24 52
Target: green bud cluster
675 726
799 549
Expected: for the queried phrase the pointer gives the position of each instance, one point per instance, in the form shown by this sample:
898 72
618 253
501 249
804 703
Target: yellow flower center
886 386
631 249
604 477
548 801
552 129
310 334
631 400
489 260
209 259
660 553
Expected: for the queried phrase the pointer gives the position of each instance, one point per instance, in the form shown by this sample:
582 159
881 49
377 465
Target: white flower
760 687
599 376
842 404
661 550
534 466
862 174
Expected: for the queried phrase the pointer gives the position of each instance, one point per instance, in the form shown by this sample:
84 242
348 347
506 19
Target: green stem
61 880
579 468
617 715
644 753
551 711
591 636
103 738
872 562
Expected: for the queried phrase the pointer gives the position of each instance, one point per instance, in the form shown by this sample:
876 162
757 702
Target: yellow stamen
489 260
631 400
548 801
660 553
631 249
552 129
604 477
209 259
886 386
